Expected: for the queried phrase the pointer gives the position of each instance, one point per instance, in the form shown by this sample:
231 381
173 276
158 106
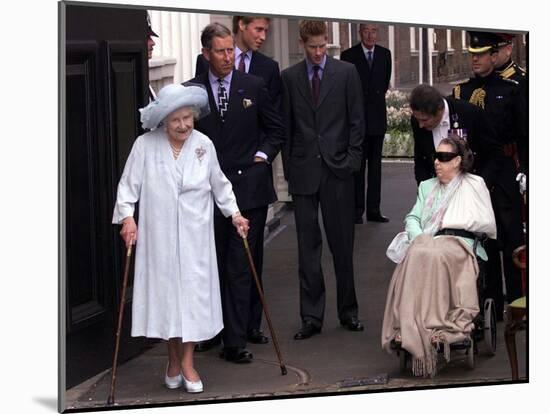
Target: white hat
171 98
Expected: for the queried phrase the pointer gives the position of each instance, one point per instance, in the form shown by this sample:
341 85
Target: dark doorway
106 81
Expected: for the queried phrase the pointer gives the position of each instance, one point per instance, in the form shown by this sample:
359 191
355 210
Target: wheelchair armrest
479 239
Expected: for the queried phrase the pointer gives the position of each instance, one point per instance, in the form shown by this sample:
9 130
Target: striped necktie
222 99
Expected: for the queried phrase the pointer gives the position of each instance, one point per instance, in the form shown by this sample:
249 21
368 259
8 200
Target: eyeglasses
444 156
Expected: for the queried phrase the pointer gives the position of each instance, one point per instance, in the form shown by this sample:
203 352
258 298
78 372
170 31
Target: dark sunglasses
444 156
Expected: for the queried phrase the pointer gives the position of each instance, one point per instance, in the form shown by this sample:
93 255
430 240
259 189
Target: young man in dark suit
247 131
249 34
373 62
323 114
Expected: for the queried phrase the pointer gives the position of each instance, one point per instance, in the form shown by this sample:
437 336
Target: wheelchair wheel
470 354
404 358
490 326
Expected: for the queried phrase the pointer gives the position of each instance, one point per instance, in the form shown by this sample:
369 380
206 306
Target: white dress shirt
247 60
365 50
442 130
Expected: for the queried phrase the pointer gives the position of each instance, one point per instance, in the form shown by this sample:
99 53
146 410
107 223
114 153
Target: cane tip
283 370
110 400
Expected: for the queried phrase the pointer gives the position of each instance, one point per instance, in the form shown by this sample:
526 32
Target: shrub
399 112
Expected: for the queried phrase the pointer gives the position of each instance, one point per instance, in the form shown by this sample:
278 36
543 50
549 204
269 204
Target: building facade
419 54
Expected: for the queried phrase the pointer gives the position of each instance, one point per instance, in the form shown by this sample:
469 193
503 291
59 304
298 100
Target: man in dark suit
247 131
373 62
323 114
434 117
249 34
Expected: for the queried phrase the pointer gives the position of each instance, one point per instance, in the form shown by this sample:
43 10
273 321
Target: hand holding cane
264 305
111 399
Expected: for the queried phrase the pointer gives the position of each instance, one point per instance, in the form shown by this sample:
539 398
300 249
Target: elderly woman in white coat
173 172
432 298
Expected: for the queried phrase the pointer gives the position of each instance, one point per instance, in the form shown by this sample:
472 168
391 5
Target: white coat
176 284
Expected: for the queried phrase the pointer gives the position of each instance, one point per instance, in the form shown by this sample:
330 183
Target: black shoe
256 336
353 324
204 346
359 220
377 217
237 355
307 330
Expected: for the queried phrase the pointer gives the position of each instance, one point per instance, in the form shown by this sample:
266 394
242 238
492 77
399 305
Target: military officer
505 67
505 107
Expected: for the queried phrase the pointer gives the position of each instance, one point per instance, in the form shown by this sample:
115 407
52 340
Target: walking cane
264 305
111 399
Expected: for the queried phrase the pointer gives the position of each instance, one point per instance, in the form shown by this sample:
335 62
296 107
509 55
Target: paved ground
336 361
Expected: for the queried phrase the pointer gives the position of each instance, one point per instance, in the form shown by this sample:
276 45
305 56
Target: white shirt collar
442 130
445 121
238 53
365 50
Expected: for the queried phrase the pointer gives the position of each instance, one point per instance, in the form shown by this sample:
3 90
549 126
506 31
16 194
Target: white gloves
522 180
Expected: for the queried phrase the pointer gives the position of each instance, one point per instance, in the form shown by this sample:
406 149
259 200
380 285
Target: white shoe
173 382
192 387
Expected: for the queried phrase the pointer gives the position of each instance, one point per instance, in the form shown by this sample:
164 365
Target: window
449 40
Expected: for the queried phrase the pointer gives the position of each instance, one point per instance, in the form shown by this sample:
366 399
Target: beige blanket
427 304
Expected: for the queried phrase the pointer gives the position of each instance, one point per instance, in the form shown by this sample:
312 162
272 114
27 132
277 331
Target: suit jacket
375 82
480 136
332 130
245 131
260 65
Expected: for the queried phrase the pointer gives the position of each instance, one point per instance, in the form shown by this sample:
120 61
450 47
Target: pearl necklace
175 151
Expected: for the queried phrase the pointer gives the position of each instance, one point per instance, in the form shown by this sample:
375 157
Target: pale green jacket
470 209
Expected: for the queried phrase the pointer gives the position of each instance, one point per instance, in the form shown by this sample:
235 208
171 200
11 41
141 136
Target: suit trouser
507 208
335 196
372 162
236 278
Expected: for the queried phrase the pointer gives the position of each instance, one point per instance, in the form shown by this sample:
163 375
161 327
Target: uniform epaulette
456 92
508 72
523 71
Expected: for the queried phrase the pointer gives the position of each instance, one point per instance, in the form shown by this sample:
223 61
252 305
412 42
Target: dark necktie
242 67
222 99
369 58
315 84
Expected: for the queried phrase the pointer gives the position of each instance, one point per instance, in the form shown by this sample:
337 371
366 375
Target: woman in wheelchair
432 298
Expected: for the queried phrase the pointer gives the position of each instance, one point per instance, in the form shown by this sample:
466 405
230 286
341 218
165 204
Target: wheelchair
484 333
